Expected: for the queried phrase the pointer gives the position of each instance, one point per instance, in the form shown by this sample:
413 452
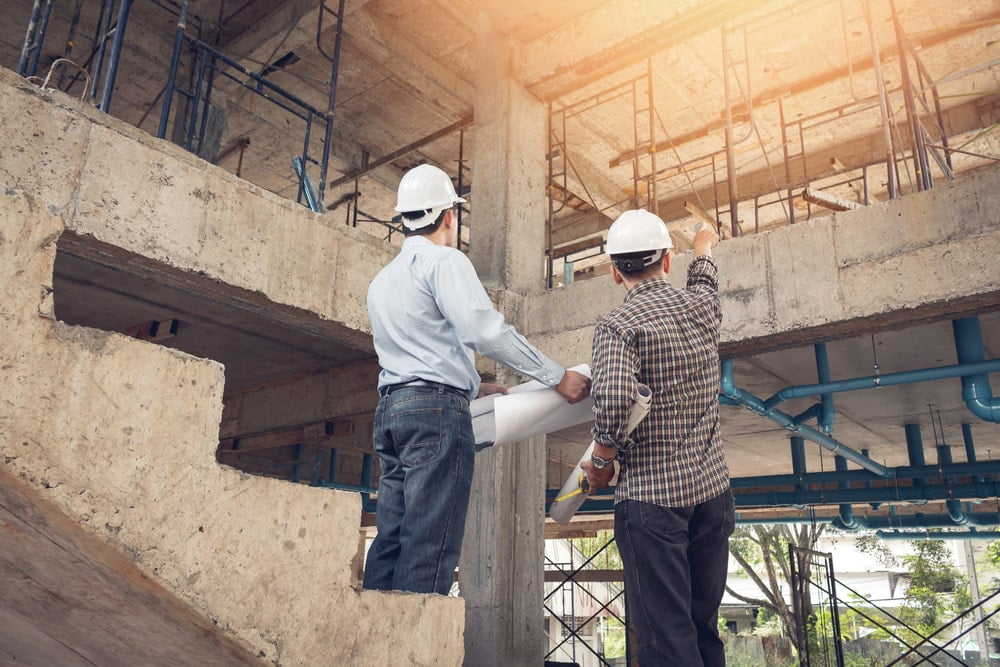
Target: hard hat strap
637 261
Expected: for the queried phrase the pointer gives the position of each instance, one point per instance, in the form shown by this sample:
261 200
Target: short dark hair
416 215
634 264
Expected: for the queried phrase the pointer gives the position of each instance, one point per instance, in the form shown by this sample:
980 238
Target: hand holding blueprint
529 409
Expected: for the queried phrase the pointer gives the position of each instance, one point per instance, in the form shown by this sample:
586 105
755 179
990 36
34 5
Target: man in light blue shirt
429 314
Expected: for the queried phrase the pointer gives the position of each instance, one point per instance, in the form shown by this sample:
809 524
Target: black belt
439 386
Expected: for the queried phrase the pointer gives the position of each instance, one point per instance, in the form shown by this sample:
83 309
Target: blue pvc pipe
915 449
786 421
798 446
827 412
846 509
927 535
970 367
902 473
954 506
976 391
813 411
911 494
970 446
922 521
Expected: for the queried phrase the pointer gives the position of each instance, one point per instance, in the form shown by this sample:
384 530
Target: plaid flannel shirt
668 339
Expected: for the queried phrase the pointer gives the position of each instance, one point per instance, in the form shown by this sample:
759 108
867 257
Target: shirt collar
416 240
645 286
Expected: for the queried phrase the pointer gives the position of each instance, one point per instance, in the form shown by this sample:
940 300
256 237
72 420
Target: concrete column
508 171
500 573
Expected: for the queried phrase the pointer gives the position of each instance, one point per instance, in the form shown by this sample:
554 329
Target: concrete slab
121 435
119 186
925 256
71 599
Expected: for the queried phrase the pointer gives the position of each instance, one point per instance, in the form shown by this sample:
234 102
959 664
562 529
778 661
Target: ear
616 275
666 262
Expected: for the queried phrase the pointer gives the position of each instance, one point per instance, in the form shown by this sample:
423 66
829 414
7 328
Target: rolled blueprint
575 490
529 409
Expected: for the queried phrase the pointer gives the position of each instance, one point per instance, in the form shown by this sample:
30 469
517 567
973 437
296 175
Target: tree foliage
936 586
762 552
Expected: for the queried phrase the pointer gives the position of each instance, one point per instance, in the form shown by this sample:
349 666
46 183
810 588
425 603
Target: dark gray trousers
675 561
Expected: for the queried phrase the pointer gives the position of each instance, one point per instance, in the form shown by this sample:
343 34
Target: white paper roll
529 409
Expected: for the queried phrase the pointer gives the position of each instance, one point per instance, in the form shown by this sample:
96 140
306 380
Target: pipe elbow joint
726 383
986 407
845 523
956 514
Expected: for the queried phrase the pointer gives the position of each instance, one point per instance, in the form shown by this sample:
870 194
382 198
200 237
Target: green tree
762 552
608 558
936 588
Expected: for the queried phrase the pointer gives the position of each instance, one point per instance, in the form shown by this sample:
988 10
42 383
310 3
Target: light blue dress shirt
429 312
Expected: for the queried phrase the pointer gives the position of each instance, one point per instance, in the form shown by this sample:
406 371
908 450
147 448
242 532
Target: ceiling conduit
783 419
971 534
976 391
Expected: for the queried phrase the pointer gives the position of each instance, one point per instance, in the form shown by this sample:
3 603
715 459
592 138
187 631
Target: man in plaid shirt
673 508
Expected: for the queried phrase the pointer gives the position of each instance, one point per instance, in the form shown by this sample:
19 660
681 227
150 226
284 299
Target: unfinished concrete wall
118 185
926 255
122 434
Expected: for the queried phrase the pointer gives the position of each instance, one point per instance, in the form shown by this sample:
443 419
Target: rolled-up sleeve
464 303
616 375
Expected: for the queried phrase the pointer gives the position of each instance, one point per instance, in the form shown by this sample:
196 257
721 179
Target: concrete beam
614 36
379 38
500 572
126 193
290 26
508 171
885 266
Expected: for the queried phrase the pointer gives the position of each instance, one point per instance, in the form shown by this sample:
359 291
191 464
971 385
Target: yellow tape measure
583 487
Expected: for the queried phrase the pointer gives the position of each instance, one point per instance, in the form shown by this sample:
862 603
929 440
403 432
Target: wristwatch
600 463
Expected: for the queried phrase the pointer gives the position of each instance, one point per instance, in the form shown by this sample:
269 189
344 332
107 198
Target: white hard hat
637 231
425 188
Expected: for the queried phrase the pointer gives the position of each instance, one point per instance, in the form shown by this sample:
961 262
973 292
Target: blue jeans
675 561
425 445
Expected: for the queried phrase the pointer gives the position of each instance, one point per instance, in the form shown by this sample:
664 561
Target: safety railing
208 64
817 606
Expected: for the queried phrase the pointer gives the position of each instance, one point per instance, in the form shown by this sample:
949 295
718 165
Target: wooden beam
830 201
585 576
580 525
614 36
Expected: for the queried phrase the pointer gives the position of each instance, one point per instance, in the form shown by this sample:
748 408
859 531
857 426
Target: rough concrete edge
95 548
547 332
171 151
406 604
